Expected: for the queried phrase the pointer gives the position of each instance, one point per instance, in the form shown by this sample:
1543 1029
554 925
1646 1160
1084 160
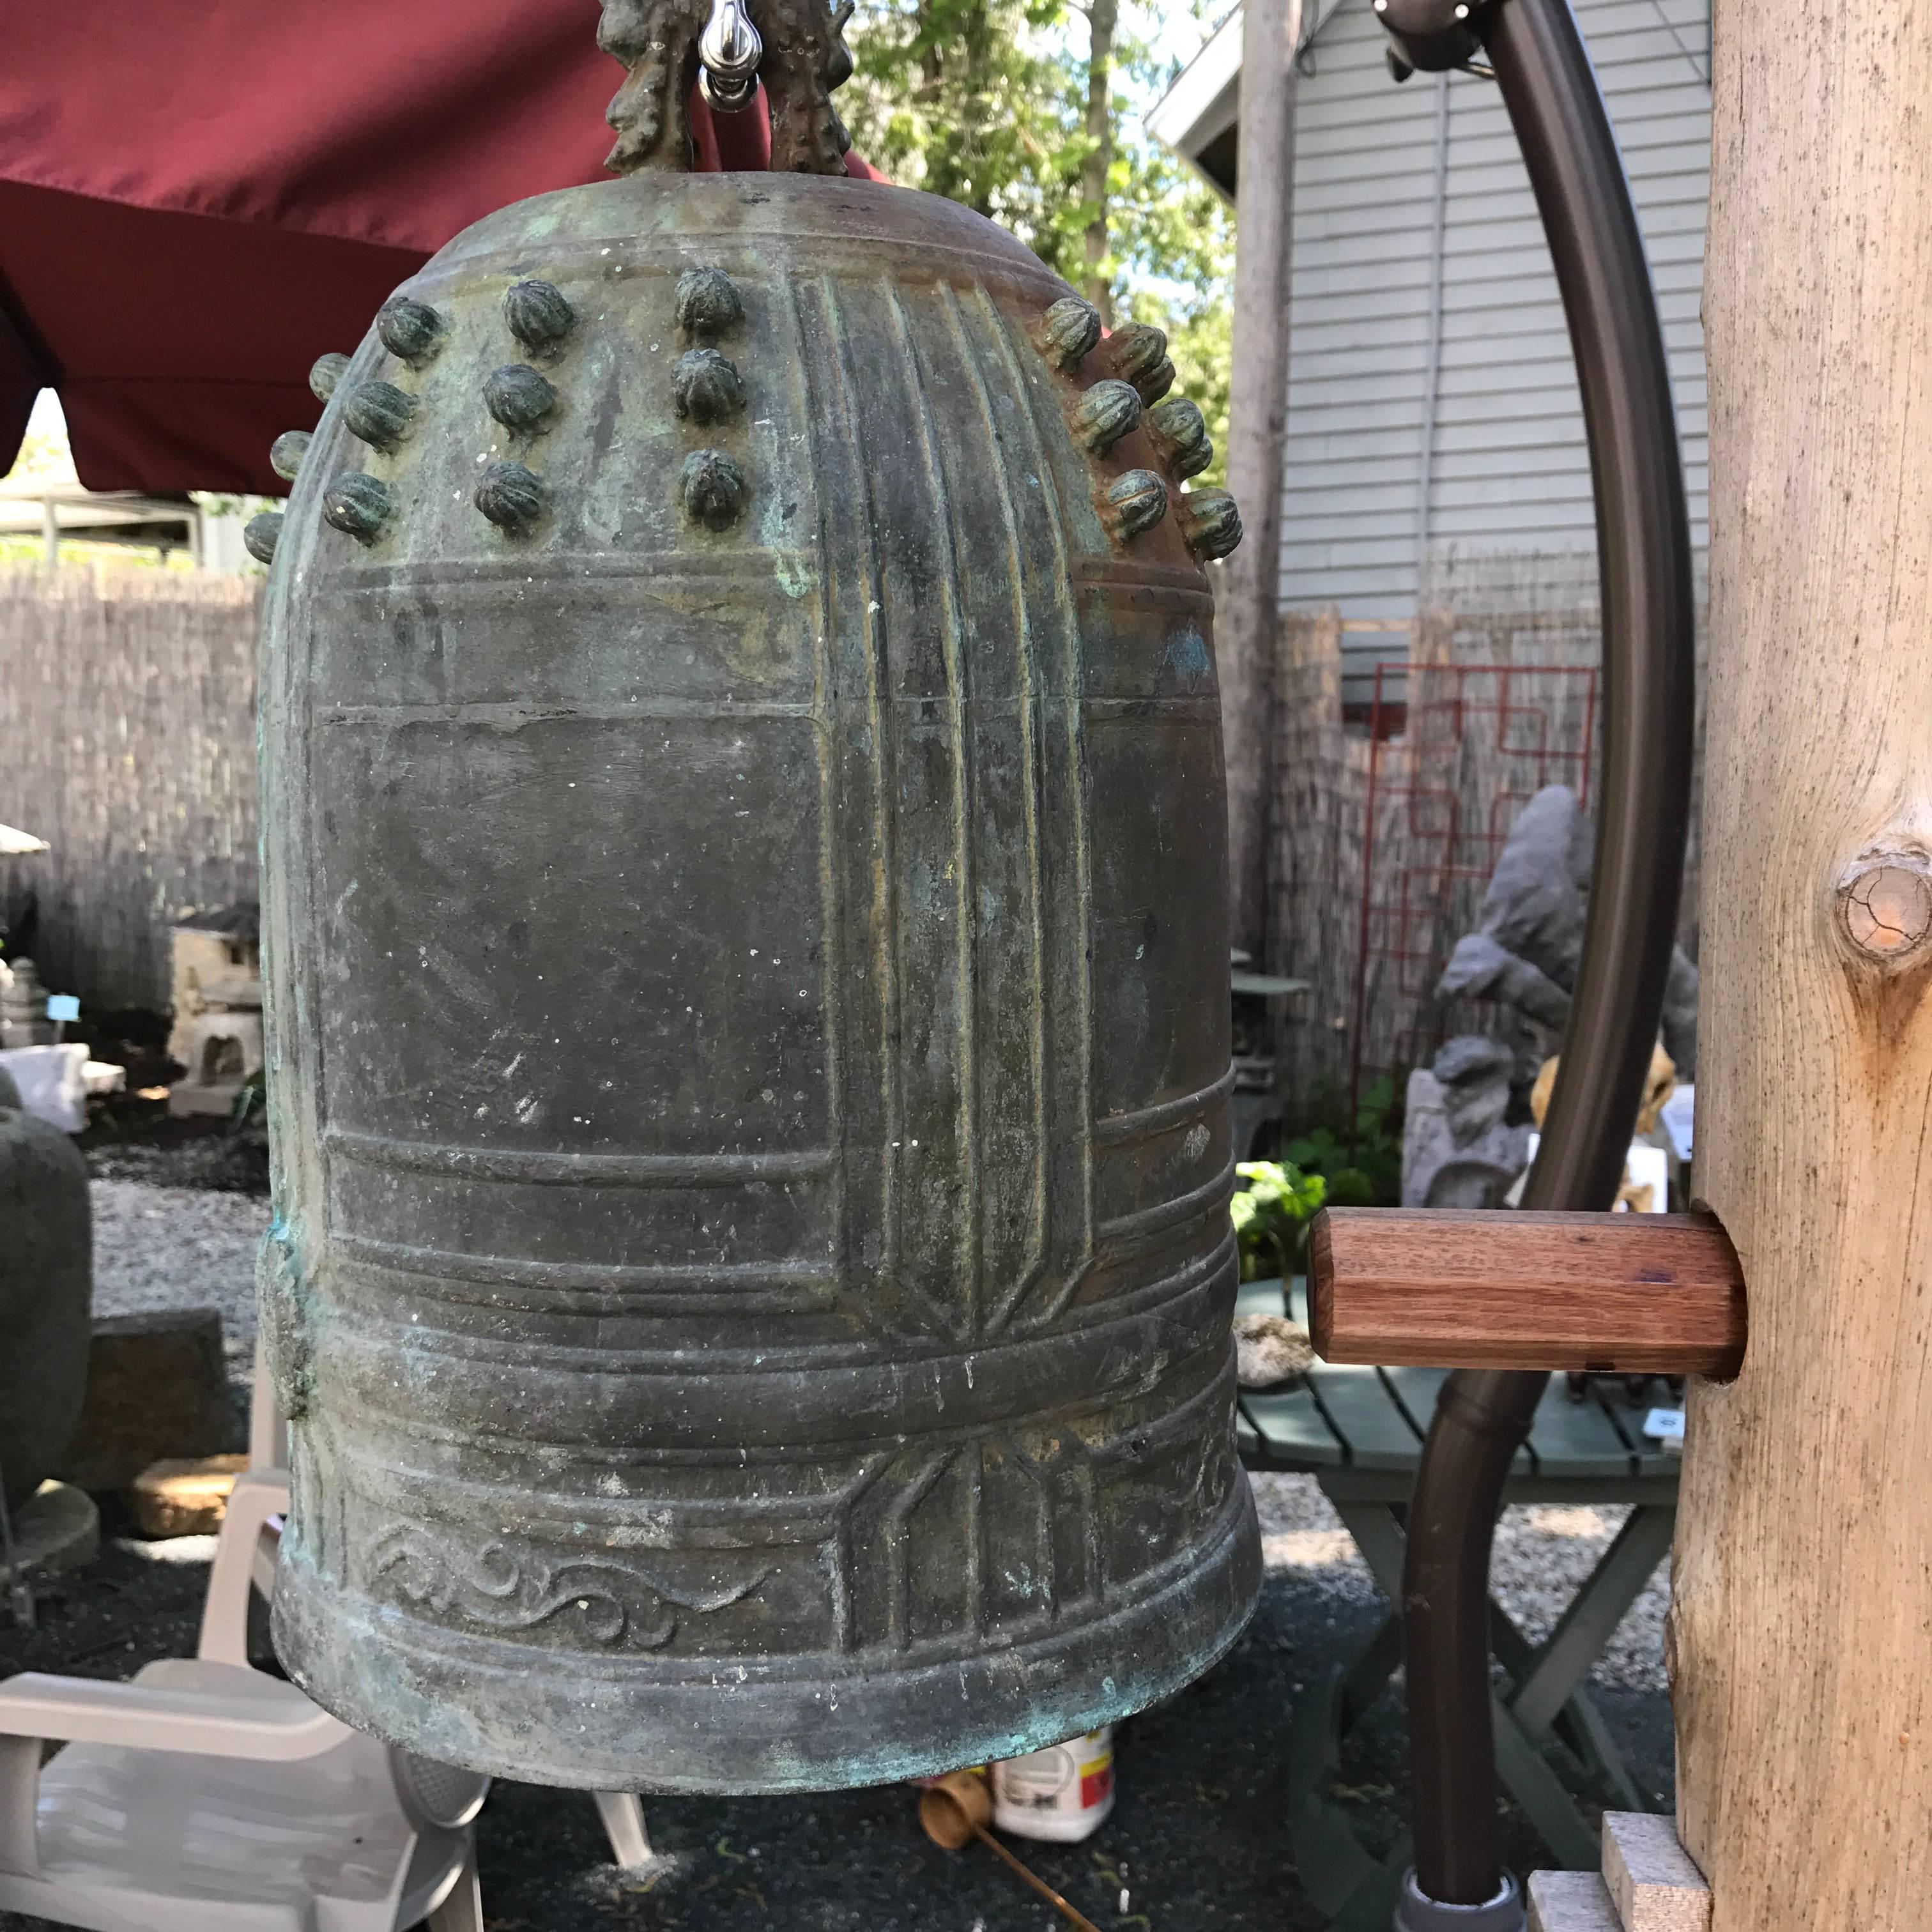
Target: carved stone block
156 1388
184 1497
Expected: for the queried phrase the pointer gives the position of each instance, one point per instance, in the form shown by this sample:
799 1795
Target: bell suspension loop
729 51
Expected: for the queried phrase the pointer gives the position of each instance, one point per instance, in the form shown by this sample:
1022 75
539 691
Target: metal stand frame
1536 56
1549 1701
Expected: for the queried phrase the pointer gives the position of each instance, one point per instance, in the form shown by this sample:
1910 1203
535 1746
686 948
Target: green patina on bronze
746 961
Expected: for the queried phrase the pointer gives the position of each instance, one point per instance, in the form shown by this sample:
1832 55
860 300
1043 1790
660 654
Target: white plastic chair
208 1796
260 1498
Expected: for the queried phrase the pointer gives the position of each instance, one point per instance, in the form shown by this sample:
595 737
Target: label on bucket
1062 1792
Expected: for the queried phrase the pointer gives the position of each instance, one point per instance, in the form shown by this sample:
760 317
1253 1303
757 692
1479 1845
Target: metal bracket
729 51
1418 1912
1432 36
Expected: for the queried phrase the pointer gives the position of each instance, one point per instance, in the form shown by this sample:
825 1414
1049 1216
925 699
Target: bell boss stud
1439 1288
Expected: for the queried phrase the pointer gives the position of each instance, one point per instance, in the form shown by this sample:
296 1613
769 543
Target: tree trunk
1248 594
1803 1578
1101 20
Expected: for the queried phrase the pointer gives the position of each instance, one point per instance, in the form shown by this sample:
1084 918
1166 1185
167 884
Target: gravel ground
192 1154
179 1247
1543 1553
1196 1844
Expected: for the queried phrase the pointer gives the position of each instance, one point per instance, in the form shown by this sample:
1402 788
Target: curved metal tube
1644 552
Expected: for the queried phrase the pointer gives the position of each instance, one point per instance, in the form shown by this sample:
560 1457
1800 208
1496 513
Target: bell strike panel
751 1276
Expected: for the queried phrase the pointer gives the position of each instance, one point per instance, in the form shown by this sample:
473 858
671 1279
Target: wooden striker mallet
1438 1287
956 1811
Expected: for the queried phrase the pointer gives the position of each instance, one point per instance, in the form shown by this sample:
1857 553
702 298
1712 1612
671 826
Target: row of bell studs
519 396
706 387
1134 395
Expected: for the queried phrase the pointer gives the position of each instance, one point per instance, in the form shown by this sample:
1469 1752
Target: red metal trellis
1456 757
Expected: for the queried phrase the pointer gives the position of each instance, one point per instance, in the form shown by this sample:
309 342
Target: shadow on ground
1195 1843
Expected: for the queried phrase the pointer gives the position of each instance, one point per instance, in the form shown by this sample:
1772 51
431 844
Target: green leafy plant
251 1103
1271 1213
1363 1170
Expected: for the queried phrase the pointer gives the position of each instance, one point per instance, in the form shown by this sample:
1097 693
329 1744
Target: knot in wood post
1885 906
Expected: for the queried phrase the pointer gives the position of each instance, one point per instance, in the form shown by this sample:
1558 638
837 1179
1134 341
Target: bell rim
1080 1675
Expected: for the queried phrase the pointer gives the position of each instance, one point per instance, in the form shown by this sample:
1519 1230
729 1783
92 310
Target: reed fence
127 742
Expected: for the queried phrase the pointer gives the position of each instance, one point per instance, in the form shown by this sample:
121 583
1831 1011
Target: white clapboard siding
1507 464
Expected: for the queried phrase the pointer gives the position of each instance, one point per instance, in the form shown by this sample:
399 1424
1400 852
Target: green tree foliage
987 102
959 97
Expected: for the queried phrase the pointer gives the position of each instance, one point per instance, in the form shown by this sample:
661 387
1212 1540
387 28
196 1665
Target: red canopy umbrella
198 197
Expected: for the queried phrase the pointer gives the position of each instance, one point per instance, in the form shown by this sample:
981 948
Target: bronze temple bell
747 983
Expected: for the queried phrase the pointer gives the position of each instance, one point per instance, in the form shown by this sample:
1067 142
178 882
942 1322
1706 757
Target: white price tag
1680 1117
1667 1426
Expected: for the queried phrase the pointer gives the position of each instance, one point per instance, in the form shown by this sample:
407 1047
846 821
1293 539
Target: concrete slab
1569 1901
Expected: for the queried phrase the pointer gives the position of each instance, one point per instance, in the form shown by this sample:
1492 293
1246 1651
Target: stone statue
46 1286
1524 953
1457 1150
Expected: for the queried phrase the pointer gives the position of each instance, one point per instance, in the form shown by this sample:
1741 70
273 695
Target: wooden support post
1803 1571
1439 1288
1249 594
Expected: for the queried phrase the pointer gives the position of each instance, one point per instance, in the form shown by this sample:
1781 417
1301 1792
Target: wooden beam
1802 1674
1439 1288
